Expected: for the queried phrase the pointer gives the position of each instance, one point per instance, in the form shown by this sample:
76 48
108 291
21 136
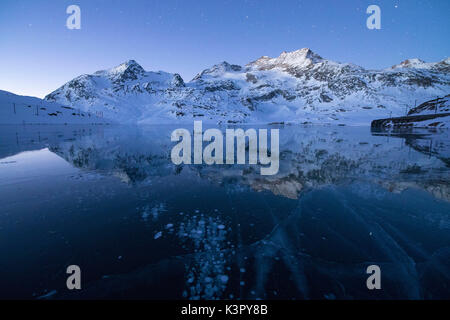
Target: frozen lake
109 199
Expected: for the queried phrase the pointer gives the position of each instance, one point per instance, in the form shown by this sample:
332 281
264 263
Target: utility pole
435 106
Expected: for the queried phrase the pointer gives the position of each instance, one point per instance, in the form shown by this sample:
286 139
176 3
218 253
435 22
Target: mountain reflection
310 158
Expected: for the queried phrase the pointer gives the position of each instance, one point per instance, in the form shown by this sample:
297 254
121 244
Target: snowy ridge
415 63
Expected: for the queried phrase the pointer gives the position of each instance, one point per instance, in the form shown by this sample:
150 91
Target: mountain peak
228 67
298 59
128 66
218 70
301 53
441 66
410 63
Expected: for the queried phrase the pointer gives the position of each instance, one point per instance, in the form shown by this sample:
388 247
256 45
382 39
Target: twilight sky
38 53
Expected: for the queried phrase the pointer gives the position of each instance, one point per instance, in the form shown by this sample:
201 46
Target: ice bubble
158 235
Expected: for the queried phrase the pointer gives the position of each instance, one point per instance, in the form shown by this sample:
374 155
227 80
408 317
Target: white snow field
15 109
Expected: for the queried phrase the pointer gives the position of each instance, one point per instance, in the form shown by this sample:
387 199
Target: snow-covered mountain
124 93
298 86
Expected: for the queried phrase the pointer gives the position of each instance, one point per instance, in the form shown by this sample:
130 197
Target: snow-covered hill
298 86
15 109
435 106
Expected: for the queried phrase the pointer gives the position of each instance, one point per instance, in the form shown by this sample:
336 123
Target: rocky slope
298 86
